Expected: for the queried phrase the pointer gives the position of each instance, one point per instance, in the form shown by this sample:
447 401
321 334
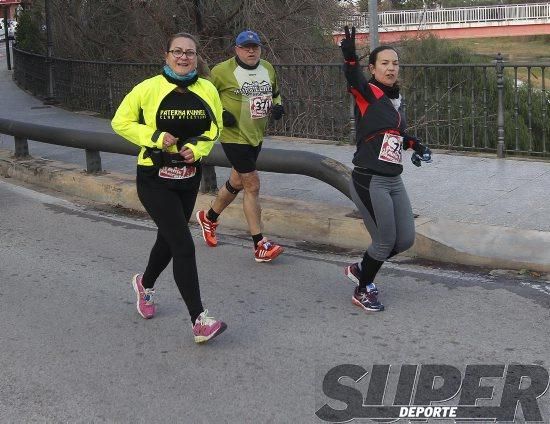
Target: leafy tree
28 33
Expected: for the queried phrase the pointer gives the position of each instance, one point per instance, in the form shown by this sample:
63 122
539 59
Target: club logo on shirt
187 114
254 88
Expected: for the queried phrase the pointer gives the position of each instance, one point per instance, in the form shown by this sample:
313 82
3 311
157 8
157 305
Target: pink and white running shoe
207 328
145 305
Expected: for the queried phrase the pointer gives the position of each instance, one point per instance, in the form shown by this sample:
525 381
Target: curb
436 239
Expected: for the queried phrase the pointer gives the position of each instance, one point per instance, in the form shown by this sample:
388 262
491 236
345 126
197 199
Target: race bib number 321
260 106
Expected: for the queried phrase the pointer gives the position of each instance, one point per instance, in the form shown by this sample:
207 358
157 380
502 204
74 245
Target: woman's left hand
348 45
187 155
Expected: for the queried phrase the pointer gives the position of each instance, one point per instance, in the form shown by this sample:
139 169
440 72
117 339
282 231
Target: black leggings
171 207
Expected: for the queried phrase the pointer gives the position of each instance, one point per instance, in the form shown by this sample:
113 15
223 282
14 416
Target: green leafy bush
28 35
456 107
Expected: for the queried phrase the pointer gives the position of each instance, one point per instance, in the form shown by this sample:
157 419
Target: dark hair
374 54
202 66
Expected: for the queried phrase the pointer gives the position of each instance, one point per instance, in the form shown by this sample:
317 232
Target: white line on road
543 288
35 195
52 200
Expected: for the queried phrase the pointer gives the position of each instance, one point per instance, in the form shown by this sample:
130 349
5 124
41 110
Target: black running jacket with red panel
379 126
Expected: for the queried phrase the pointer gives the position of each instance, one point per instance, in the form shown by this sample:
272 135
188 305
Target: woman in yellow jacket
175 118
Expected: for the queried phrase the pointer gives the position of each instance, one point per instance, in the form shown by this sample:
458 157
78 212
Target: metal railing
494 107
508 14
310 164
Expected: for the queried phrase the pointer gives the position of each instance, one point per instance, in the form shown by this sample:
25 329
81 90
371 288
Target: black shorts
242 156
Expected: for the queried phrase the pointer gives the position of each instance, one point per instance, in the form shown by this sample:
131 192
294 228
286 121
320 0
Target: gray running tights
386 211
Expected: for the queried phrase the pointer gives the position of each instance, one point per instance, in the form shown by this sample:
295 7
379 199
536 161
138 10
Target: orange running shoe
267 251
208 229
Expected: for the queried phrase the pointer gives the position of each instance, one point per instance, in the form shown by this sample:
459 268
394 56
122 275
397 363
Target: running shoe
266 251
367 298
207 328
353 273
208 229
145 305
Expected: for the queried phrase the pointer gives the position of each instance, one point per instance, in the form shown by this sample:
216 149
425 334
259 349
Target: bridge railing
482 107
453 15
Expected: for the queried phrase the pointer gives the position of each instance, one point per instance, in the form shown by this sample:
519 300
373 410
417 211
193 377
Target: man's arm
277 109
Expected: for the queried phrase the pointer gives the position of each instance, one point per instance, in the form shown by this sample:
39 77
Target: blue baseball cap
247 37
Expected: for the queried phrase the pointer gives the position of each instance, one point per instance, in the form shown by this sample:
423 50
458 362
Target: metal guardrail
310 164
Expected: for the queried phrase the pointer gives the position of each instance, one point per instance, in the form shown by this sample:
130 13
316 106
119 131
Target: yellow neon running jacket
136 117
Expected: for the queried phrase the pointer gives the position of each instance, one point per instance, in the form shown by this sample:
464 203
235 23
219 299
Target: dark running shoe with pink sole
367 298
353 273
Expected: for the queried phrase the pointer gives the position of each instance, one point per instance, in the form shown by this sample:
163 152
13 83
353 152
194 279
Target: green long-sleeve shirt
247 94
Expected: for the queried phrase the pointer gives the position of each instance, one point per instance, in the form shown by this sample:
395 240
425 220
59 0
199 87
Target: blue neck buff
187 77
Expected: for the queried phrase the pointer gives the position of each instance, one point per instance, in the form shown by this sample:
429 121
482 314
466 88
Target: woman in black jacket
376 186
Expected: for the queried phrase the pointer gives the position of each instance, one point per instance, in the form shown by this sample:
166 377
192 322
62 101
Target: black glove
422 154
228 119
348 45
410 141
277 111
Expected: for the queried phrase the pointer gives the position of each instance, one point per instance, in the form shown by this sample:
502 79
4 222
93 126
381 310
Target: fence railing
494 107
512 13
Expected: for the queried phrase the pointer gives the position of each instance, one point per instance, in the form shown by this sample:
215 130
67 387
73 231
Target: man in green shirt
249 93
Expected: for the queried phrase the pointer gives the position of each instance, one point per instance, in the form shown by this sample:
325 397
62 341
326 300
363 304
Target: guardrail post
21 147
209 183
93 161
500 111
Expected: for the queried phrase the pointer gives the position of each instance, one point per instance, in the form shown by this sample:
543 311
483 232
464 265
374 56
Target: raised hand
348 45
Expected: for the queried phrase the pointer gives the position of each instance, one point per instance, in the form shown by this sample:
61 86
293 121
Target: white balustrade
398 20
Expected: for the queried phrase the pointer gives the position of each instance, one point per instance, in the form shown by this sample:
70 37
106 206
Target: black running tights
171 210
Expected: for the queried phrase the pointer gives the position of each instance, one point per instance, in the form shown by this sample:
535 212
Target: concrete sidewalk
472 209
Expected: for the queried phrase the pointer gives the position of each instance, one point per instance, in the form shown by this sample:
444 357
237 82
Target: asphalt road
74 349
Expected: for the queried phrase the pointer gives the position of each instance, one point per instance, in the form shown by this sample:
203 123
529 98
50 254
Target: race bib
177 173
260 106
392 149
